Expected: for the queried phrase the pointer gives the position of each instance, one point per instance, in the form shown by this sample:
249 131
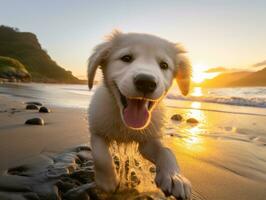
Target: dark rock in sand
192 121
34 103
70 179
35 121
44 110
177 117
80 193
32 107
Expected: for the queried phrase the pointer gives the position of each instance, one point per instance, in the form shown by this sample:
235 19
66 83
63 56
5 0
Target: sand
64 127
223 156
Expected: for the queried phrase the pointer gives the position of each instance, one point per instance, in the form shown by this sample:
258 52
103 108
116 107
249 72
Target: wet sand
64 127
223 155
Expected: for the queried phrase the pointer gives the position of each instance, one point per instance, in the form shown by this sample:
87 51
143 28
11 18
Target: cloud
259 64
217 69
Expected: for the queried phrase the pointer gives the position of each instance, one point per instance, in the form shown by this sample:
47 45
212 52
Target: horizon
227 34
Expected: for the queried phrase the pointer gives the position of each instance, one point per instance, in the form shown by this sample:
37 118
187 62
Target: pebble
44 110
35 103
192 121
177 117
35 121
32 107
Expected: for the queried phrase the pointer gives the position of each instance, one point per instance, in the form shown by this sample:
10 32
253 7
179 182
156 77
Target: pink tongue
136 114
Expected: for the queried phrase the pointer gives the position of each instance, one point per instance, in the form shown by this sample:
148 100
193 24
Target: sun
198 78
199 75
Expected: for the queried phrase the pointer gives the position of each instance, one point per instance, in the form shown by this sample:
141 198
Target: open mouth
136 111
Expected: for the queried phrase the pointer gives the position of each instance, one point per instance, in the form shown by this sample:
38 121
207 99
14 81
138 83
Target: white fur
105 112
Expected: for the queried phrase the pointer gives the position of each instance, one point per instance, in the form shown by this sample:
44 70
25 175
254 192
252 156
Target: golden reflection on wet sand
193 132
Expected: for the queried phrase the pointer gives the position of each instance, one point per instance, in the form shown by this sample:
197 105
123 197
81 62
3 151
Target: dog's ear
100 55
183 75
97 59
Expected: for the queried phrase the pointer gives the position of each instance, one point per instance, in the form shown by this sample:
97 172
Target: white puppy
138 70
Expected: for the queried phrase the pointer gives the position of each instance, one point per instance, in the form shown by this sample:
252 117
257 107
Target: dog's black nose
145 83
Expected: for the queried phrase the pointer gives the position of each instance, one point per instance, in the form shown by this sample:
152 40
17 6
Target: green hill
12 69
25 47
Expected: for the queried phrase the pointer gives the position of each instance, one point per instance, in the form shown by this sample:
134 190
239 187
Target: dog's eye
163 65
126 58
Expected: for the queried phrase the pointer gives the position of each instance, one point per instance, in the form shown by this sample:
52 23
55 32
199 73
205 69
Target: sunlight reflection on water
194 131
197 91
196 112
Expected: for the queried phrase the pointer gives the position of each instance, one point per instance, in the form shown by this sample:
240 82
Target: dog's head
139 70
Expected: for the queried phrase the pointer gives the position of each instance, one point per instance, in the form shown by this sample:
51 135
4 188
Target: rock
83 176
177 117
65 185
83 148
192 121
32 107
35 121
44 110
34 102
31 181
80 193
31 196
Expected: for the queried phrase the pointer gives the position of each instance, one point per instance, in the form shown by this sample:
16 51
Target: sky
216 33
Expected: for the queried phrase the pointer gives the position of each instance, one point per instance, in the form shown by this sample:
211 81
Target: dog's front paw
106 182
176 185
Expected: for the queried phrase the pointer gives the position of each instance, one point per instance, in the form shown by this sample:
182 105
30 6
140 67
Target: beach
223 155
64 127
